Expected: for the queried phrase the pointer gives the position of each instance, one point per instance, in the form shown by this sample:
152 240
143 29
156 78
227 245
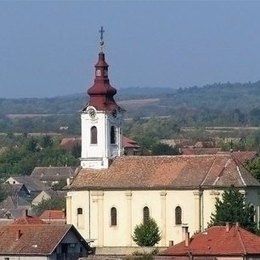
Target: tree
164 149
254 167
232 207
147 234
56 203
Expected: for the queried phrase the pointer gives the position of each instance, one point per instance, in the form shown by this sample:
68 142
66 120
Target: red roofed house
53 216
113 193
218 242
31 238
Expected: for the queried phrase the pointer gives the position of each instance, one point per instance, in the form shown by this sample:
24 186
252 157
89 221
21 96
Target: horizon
159 44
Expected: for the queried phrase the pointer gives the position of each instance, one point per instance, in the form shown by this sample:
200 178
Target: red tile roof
129 143
198 150
156 172
218 241
28 220
52 214
31 239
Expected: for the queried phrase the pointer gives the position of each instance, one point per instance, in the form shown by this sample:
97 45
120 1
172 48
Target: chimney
187 239
227 226
68 181
237 224
26 213
184 231
18 234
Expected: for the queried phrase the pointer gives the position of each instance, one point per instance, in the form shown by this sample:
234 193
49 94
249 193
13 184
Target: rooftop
156 172
218 240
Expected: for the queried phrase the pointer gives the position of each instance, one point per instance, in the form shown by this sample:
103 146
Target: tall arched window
112 135
178 215
113 216
93 135
146 214
80 218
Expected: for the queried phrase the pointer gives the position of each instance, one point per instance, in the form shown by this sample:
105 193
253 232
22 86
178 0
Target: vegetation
56 203
254 167
232 207
212 105
29 152
147 233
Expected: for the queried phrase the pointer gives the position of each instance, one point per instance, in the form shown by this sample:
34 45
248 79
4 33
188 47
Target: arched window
112 135
146 214
113 216
93 135
79 211
178 215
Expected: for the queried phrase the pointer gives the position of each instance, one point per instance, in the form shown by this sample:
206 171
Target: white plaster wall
99 149
97 155
101 202
184 199
75 200
115 235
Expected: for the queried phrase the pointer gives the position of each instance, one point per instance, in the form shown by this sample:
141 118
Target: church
112 193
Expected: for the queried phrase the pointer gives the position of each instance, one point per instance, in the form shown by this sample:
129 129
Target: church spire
102 93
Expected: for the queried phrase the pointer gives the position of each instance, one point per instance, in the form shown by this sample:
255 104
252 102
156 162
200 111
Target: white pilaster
128 195
163 217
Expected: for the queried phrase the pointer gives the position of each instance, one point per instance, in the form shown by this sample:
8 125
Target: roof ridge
208 172
221 171
241 240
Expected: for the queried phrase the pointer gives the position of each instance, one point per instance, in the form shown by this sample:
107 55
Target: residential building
31 238
216 243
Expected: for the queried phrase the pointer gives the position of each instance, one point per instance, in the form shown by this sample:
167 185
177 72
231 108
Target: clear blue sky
48 48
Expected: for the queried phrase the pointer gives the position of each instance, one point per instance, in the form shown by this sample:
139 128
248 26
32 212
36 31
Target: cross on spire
101 31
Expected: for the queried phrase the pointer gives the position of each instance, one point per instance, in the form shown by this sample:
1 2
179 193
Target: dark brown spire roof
102 93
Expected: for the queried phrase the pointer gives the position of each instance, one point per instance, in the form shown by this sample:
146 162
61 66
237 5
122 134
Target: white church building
113 193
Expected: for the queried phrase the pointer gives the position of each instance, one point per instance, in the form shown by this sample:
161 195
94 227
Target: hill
211 105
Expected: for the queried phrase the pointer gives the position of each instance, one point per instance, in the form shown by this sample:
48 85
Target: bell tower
101 119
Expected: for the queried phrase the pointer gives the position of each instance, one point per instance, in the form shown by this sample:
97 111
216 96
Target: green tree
147 233
254 167
164 149
56 203
232 207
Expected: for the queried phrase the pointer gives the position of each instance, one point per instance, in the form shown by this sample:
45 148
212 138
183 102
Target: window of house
146 214
93 135
79 211
178 215
113 215
112 135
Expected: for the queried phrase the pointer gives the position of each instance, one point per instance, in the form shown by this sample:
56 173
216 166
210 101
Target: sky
49 48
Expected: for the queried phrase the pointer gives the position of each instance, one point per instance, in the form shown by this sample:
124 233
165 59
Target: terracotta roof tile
218 241
52 173
52 214
166 172
34 239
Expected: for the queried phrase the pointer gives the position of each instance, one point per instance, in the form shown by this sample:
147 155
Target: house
33 185
217 242
53 175
48 194
131 147
70 143
53 216
31 238
113 193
